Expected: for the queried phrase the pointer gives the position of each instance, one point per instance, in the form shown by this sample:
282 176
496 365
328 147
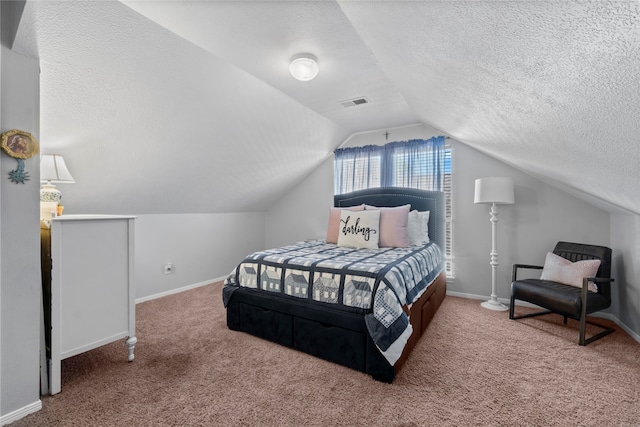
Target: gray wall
304 212
527 230
625 241
202 247
20 282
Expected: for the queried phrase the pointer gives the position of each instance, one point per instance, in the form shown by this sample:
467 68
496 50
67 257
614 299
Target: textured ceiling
551 87
176 106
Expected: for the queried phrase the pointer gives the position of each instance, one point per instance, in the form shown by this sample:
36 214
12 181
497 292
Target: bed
362 308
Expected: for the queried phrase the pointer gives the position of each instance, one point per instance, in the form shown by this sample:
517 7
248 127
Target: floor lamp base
494 305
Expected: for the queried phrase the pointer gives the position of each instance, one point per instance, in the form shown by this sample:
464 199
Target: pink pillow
334 222
393 226
561 270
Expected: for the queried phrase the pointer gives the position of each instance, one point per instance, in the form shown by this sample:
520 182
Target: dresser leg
131 344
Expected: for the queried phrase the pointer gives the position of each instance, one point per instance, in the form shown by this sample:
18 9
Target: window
418 163
358 168
448 192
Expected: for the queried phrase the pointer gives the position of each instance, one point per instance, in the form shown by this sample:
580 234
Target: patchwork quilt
376 282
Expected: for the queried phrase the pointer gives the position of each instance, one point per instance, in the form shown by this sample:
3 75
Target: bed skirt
334 335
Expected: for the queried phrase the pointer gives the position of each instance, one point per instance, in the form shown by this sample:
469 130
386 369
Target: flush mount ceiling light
304 67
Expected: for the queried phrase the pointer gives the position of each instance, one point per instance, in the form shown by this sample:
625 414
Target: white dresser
92 286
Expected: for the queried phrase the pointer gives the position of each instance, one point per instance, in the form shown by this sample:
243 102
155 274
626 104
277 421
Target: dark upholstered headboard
421 200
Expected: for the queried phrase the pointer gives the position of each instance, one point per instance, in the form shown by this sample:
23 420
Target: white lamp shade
304 67
493 189
53 169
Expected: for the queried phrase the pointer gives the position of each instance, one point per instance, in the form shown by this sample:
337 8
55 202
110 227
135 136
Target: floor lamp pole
493 303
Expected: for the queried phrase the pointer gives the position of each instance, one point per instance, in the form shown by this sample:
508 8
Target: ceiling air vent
354 102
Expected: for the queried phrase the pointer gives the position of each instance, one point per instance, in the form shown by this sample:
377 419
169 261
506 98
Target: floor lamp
496 191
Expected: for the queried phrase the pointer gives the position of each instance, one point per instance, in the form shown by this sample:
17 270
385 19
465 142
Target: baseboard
178 290
20 413
618 322
507 301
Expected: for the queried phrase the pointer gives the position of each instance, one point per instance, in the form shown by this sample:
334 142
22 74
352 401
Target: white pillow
561 270
359 229
424 226
418 228
413 229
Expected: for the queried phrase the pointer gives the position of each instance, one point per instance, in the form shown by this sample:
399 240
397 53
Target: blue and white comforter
378 282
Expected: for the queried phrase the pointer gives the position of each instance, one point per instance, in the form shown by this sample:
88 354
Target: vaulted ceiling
180 106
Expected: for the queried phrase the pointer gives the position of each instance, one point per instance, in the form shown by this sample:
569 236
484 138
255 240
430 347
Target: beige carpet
474 367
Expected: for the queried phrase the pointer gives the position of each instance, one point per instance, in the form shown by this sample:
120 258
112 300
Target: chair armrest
599 279
586 280
584 290
517 266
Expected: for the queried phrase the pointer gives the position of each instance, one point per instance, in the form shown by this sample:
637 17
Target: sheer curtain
417 163
357 168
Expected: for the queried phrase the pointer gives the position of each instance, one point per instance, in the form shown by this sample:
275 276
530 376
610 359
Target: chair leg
513 316
511 307
583 327
606 331
583 340
583 311
583 320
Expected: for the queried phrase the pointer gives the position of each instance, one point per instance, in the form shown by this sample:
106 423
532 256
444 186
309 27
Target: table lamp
52 170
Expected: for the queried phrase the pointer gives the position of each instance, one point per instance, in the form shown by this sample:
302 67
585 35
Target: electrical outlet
168 268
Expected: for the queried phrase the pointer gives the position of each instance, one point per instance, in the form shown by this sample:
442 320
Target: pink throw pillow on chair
561 270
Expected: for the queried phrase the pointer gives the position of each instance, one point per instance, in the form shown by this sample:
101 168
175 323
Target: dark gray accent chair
566 300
